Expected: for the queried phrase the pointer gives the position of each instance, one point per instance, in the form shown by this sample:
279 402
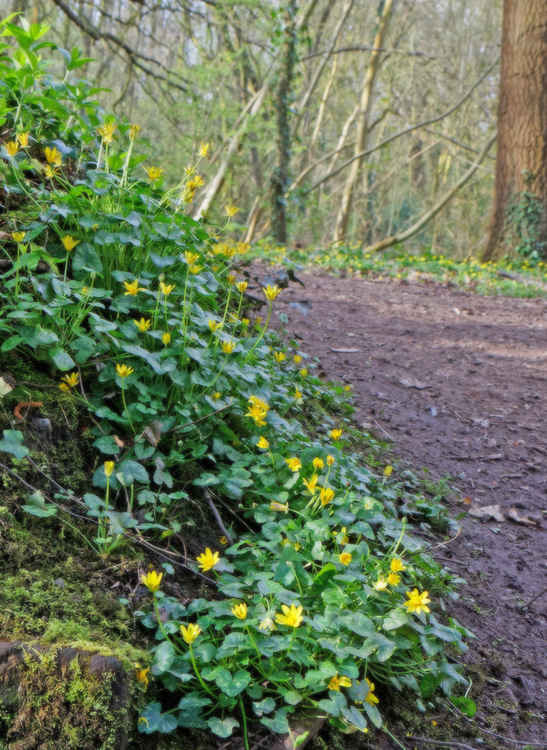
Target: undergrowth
318 598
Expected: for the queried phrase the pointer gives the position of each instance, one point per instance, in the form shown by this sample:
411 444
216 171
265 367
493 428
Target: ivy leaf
222 727
263 707
37 506
278 723
12 442
232 685
62 359
153 720
163 658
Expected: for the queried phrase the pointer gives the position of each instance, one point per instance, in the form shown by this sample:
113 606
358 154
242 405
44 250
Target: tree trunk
363 124
521 163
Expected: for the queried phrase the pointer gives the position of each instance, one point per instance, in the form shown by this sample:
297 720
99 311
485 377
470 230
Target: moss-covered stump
62 697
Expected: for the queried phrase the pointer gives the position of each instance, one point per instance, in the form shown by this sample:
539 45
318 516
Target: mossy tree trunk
521 163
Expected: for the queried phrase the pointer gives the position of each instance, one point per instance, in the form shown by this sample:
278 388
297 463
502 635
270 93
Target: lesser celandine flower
279 356
297 395
230 210
326 494
208 559
271 292
217 395
371 698
393 579
294 463
124 371
336 434
108 468
214 325
303 372
22 139
388 471
134 130
258 410
292 616
166 338
281 507
330 460
311 484
50 173
69 243
166 289
195 268
241 286
153 173
141 673
12 147
297 359
190 257
152 580
381 584
204 149
228 346
339 681
53 156
18 236
240 611
345 558
190 632
417 602
132 288
69 381
396 565
263 443
143 324
318 463
267 624
106 131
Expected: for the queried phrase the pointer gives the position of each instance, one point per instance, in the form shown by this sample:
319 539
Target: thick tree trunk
521 164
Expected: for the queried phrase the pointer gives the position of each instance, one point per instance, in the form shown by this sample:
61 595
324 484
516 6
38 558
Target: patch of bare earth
458 384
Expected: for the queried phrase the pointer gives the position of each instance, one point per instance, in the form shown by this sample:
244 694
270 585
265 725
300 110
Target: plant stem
197 672
244 719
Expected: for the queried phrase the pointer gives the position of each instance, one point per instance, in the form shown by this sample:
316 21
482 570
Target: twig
524 606
448 541
384 431
216 514
443 743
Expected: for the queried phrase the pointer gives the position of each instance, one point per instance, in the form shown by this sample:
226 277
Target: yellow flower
69 381
271 292
258 410
311 484
397 565
53 156
345 558
388 471
18 236
22 139
281 507
154 173
196 182
228 346
152 580
106 131
195 268
240 611
166 288
134 130
132 288
347 387
190 258
12 147
417 602
208 559
143 324
393 579
230 210
381 584
216 395
190 633
337 682
142 675
297 395
69 243
279 357
263 443
241 286
326 494
297 359
371 698
330 460
303 372
245 321
336 434
50 173
292 616
318 463
267 624
109 468
294 463
204 149
242 247
124 371
214 325
166 338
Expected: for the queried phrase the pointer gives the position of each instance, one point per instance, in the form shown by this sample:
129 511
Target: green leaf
152 720
133 471
41 337
106 444
291 697
373 714
12 442
278 723
222 727
163 657
263 707
358 623
37 506
11 342
395 619
86 259
355 717
62 359
467 706
230 684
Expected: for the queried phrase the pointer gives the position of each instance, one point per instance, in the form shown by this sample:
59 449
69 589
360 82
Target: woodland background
288 93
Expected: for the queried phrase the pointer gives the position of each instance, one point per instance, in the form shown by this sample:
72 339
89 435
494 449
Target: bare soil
458 384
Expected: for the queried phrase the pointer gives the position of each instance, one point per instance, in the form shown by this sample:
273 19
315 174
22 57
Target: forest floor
457 383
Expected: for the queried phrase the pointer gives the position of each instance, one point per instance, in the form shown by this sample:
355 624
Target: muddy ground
458 384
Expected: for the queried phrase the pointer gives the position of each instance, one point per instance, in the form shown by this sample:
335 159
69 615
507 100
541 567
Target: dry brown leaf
412 383
487 512
517 517
119 442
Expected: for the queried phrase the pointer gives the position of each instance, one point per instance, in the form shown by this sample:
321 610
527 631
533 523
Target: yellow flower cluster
258 410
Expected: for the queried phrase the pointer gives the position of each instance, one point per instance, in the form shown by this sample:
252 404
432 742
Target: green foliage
525 217
138 312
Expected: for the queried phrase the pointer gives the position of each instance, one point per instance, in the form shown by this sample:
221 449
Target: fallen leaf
343 350
412 383
152 432
467 500
7 384
119 442
517 517
487 512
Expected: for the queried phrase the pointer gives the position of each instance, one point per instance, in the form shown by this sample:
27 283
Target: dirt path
458 383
